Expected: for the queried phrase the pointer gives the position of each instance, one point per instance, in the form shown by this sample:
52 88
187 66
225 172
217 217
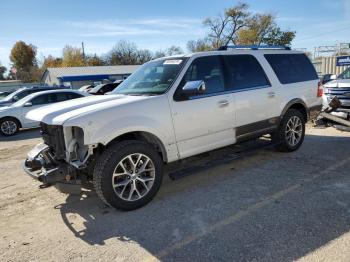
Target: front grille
54 138
343 95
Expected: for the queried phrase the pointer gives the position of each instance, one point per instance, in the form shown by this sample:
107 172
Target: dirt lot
267 206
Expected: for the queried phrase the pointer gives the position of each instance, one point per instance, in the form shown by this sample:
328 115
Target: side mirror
193 88
15 98
28 104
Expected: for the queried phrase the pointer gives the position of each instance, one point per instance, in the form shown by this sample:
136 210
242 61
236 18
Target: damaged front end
61 160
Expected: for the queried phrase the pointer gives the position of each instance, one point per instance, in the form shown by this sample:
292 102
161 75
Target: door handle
271 94
223 103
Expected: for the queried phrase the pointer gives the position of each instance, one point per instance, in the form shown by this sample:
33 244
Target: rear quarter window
292 68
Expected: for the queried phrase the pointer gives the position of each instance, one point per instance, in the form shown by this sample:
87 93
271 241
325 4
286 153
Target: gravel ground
267 206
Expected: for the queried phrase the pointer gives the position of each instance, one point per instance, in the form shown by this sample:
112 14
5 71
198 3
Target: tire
9 126
114 176
284 135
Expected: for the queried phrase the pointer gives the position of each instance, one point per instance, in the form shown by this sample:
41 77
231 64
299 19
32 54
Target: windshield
10 96
345 74
154 77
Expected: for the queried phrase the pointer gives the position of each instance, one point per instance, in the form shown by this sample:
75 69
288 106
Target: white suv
173 108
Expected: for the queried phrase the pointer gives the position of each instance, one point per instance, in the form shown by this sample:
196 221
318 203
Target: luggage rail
254 47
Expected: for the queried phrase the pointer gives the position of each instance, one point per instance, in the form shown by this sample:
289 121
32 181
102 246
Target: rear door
254 95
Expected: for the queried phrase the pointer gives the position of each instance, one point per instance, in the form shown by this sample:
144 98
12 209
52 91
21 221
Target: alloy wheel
294 131
8 127
133 177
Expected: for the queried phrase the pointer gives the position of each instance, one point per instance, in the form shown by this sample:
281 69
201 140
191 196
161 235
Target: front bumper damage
42 166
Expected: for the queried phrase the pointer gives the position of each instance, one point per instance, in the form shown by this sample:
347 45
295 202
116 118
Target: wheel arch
297 104
13 118
145 137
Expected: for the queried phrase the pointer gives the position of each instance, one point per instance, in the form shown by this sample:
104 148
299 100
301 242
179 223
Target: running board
239 151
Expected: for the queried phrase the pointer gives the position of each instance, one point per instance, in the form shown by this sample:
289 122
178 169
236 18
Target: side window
40 100
61 97
74 96
209 70
244 71
292 68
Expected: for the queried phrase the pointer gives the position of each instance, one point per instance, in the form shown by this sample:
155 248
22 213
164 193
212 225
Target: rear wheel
291 132
9 126
128 174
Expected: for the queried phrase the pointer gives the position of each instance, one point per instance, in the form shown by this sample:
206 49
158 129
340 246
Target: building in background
76 77
330 65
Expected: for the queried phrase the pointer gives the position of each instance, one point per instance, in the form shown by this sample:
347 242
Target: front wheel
290 135
9 126
128 174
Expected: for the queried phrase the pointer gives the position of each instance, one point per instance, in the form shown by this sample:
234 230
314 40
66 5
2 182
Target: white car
170 109
12 118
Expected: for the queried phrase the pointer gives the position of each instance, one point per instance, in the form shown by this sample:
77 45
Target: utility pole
82 47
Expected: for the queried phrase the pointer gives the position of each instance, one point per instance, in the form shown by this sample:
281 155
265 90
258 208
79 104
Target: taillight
319 89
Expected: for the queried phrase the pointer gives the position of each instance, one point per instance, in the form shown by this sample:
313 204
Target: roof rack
254 47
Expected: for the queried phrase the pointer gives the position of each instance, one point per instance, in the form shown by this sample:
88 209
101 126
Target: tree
23 58
239 26
72 56
224 28
279 37
200 45
258 27
3 70
123 53
127 53
144 56
94 60
51 61
173 50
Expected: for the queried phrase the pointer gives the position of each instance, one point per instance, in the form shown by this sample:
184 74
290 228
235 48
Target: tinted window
40 100
292 68
244 71
24 94
74 95
62 97
209 70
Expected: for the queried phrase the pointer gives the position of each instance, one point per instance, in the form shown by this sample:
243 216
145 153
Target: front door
206 121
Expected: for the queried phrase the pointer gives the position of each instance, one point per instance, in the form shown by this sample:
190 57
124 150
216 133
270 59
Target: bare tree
224 28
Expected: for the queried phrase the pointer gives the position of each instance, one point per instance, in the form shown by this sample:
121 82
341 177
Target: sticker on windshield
172 62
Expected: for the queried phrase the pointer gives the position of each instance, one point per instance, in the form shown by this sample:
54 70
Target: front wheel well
12 118
145 137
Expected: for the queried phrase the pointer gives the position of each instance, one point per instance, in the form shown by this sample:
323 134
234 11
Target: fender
294 102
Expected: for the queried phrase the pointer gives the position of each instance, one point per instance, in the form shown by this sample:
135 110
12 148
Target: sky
155 24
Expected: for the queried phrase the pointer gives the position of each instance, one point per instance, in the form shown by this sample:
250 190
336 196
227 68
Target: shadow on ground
22 135
268 206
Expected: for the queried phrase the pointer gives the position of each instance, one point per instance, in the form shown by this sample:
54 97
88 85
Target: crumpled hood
338 83
59 113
